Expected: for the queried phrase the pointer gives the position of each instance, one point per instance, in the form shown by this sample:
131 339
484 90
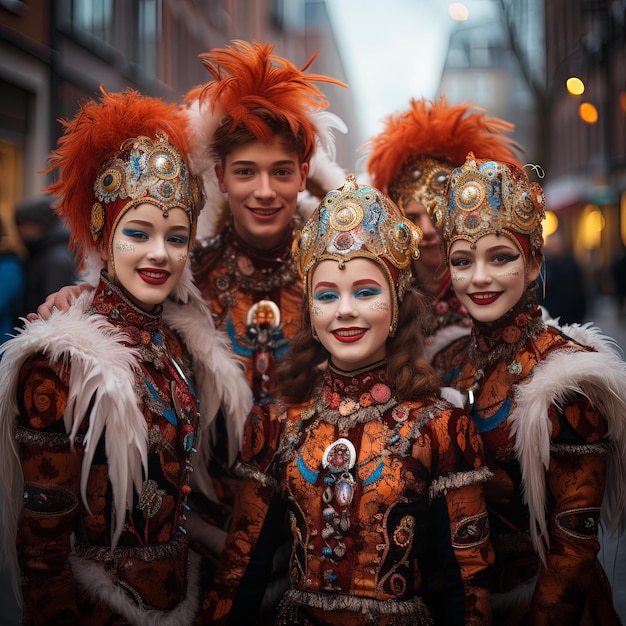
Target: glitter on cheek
514 272
316 310
124 246
457 277
379 305
182 257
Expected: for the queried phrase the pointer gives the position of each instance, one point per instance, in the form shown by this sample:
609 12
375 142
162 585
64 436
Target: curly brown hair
410 377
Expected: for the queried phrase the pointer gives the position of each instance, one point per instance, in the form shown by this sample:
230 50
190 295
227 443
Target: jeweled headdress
357 221
116 153
488 196
251 85
418 148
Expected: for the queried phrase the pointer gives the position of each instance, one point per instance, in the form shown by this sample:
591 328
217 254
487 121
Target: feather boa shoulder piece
600 376
101 370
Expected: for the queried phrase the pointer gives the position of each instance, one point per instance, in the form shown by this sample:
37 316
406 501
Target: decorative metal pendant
339 456
187 437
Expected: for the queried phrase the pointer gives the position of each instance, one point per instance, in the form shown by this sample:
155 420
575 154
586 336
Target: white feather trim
92 266
102 373
453 396
93 578
326 123
11 478
327 174
599 376
218 373
203 122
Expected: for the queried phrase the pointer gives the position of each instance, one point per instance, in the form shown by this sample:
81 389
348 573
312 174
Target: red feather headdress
249 78
438 130
94 136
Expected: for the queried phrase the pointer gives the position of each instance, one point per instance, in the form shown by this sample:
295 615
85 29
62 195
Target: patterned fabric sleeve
51 485
575 482
250 509
460 472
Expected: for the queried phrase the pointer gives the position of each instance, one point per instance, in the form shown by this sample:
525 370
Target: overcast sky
393 50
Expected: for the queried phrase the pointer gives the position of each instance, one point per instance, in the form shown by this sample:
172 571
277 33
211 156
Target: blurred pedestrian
563 292
618 270
11 284
50 263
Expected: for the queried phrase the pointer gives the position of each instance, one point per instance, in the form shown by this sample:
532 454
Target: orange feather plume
249 78
93 136
441 131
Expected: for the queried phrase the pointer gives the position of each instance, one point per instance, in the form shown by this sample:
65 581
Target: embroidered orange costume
549 403
411 160
385 496
109 402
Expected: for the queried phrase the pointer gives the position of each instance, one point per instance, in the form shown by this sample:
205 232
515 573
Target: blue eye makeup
179 239
133 232
325 296
367 292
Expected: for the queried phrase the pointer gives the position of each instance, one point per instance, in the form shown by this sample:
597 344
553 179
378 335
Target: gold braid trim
51 441
243 470
601 447
154 552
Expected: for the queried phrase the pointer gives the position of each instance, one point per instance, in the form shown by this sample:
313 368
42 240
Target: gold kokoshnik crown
484 197
144 170
358 221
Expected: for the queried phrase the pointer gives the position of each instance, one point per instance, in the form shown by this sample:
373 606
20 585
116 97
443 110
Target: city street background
604 314
514 58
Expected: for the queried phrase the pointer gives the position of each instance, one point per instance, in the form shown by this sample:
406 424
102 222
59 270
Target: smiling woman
489 277
150 253
351 314
382 478
549 403
99 405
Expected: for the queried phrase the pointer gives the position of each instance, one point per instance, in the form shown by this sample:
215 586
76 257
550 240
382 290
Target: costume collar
493 341
111 301
351 391
261 258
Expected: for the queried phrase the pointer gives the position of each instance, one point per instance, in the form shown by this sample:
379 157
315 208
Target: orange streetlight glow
588 113
550 224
